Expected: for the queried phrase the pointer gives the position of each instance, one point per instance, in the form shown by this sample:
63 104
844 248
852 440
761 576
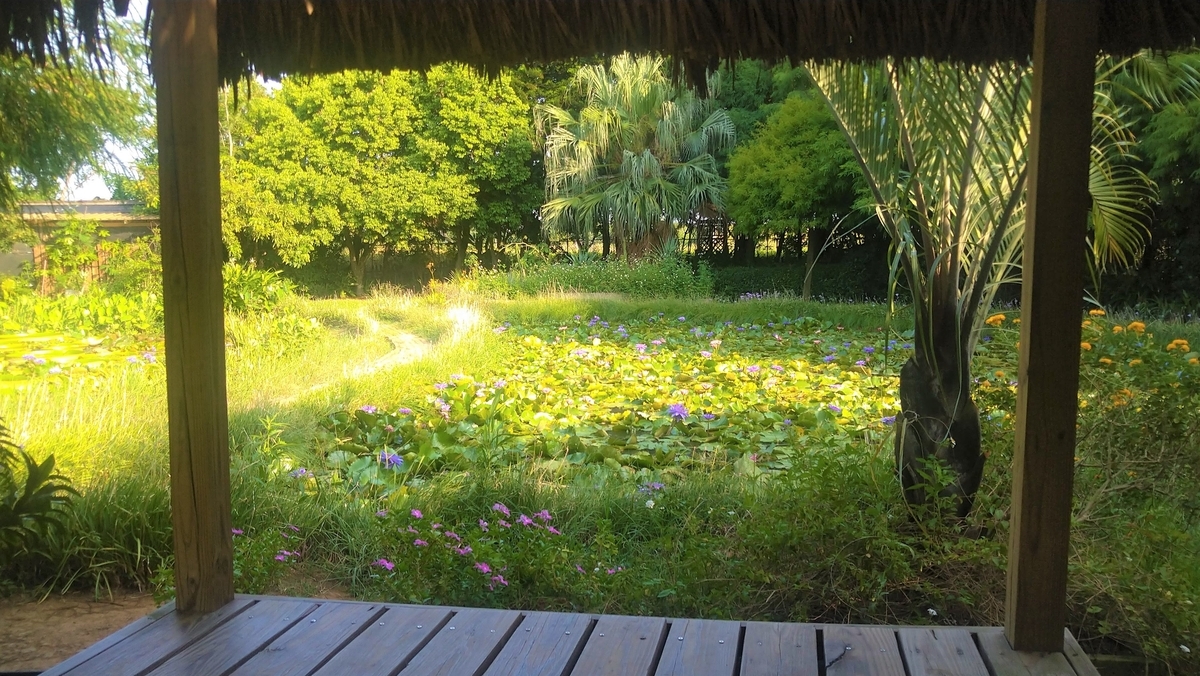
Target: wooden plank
779 649
544 645
694 647
937 651
861 651
1002 660
235 641
1064 63
109 641
1077 657
621 646
159 641
184 44
389 643
313 641
466 643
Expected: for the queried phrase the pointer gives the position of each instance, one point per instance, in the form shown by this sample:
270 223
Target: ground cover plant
558 453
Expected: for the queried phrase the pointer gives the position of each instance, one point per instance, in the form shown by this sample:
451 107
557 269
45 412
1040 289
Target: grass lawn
695 458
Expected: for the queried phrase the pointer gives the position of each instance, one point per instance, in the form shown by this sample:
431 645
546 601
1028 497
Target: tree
943 152
54 122
342 160
485 128
795 175
638 156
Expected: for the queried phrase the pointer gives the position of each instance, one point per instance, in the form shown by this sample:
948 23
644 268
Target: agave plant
943 150
27 508
640 154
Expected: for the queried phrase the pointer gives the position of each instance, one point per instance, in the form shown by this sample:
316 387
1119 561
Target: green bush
666 278
249 289
31 504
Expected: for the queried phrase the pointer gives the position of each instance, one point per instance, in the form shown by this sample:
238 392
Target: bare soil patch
37 635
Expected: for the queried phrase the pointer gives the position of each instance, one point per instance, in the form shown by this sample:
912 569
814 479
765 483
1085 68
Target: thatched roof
273 37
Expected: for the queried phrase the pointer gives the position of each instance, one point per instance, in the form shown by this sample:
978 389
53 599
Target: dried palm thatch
273 37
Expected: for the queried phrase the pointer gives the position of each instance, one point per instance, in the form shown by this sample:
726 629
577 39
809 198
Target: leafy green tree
639 155
943 152
54 123
486 130
342 160
795 175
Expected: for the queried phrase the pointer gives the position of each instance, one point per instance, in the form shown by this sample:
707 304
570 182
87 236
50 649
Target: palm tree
943 151
638 156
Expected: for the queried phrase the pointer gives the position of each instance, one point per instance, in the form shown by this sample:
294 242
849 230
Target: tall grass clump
668 277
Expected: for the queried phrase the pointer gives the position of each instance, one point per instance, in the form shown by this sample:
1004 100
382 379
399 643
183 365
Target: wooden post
184 42
1064 72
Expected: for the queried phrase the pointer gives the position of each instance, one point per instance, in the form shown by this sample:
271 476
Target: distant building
119 219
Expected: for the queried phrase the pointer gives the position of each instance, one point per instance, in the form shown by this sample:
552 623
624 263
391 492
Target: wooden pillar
1064 67
184 43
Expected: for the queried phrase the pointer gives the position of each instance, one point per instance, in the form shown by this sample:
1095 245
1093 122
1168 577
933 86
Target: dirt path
36 636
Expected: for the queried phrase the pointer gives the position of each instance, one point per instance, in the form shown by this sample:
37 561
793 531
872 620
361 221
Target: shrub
669 277
249 289
29 507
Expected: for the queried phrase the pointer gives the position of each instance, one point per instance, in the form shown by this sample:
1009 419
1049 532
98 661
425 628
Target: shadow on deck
274 635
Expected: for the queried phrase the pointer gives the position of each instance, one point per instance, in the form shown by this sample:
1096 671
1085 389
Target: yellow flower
1122 397
1086 323
1118 328
999 374
1017 320
994 320
1134 362
1096 313
1180 344
1194 360
1137 327
1105 360
1085 346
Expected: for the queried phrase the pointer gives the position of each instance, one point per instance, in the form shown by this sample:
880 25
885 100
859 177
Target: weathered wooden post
184 44
1064 72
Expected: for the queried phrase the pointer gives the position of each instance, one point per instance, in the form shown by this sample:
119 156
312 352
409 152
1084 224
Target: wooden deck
292 636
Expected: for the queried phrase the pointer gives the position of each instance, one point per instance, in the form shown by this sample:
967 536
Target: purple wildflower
412 530
835 408
416 514
384 563
436 526
237 531
499 579
463 551
554 530
543 516
504 524
367 408
501 508
706 354
869 350
828 358
293 528
381 513
889 420
580 569
452 535
420 543
299 473
753 368
524 520
483 525
483 567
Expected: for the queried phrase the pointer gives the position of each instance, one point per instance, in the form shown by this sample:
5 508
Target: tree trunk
605 239
358 268
460 248
938 423
810 259
743 249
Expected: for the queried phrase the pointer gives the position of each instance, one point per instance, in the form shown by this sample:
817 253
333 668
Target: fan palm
943 151
640 153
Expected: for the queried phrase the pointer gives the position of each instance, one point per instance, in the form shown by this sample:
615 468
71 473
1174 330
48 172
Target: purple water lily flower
677 411
706 354
440 386
708 416
889 420
860 362
367 408
869 350
753 368
828 358
404 411
640 347
835 408
300 473
389 459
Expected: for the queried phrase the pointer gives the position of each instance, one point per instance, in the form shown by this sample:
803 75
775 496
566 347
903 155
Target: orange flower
1180 344
1105 360
1085 346
999 374
1137 327
1096 313
994 320
1194 360
1118 328
1086 323
1134 362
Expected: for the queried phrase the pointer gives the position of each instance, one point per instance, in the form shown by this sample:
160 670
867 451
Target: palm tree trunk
939 421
